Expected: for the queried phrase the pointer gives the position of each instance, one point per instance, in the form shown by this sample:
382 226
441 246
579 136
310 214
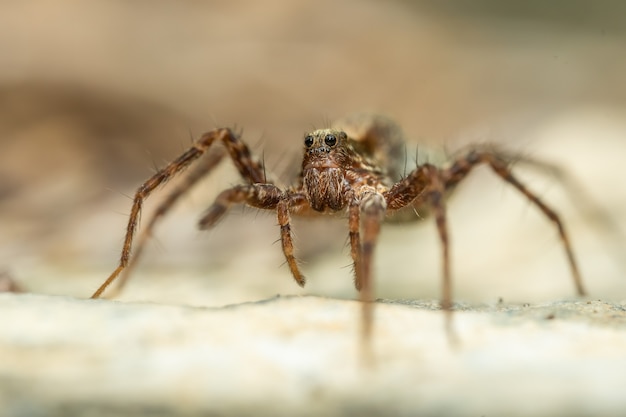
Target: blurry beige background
94 94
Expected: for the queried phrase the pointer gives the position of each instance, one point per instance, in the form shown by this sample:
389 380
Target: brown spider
354 168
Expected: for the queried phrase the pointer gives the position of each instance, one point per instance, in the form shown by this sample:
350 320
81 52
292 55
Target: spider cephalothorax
333 172
353 167
322 173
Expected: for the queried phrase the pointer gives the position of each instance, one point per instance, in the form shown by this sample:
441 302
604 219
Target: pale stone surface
299 356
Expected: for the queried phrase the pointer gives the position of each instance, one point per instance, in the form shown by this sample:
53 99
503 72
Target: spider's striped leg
164 207
249 168
290 202
463 165
262 196
425 185
372 210
436 197
354 225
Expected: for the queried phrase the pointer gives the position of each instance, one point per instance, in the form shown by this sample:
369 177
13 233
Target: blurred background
94 95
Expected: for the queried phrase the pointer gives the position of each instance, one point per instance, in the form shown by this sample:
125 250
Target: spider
354 168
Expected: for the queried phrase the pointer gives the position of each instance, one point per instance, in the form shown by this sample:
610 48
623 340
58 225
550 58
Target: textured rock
299 356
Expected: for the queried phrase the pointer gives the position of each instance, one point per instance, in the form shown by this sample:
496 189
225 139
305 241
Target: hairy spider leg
463 165
268 197
425 185
436 196
188 182
249 168
291 202
428 184
354 225
372 210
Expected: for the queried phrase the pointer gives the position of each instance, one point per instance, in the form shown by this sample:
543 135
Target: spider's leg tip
300 280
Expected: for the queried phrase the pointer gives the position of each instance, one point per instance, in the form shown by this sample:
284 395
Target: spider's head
323 167
321 145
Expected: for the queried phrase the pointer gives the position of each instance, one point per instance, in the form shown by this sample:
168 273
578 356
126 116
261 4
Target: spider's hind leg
425 185
463 165
188 182
251 170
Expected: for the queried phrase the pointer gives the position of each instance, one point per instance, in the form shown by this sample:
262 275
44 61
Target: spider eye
330 140
308 141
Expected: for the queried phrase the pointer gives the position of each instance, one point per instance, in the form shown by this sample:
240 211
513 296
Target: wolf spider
355 168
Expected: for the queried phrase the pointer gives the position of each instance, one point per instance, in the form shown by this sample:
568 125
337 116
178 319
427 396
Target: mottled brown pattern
353 168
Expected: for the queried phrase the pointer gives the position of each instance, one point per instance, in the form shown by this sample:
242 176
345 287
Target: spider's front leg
290 202
367 214
249 168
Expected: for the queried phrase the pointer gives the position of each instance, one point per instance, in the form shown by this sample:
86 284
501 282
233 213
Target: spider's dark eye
308 141
330 140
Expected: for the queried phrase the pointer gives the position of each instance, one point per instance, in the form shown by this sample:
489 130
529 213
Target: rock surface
63 356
